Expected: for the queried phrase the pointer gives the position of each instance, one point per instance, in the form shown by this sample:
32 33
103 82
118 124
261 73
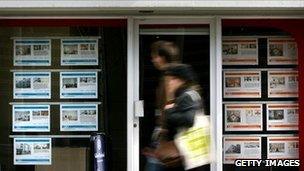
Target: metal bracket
139 108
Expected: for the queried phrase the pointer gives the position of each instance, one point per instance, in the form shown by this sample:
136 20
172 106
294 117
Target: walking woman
179 113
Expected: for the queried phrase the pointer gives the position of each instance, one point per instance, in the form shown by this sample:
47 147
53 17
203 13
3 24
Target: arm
182 113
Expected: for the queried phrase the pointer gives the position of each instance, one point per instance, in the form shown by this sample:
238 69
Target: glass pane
193 42
68 152
254 125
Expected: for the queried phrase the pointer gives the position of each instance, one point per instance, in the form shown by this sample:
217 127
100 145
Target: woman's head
179 75
163 52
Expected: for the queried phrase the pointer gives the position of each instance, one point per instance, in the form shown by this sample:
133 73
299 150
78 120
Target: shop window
61 80
260 93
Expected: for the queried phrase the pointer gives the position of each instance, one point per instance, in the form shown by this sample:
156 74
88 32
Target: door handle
139 108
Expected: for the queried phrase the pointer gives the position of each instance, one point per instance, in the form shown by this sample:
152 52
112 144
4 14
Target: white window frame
215 83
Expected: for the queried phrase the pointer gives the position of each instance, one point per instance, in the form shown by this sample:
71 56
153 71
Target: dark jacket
186 104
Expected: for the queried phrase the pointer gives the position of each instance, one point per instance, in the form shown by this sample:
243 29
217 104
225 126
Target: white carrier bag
194 143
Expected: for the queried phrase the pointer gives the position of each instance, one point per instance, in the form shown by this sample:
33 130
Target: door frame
133 151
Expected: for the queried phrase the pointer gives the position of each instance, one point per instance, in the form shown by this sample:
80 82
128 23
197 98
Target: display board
31 118
48 87
282 83
243 117
32 52
282 51
32 85
240 51
32 151
78 85
240 83
283 147
260 98
80 51
241 147
78 117
282 116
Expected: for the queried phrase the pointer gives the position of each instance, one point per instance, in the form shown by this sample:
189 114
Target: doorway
193 40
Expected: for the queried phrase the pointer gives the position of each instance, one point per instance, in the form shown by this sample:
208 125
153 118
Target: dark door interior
195 50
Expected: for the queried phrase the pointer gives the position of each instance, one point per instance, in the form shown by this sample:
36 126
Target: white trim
136 83
213 115
197 16
184 18
103 16
213 67
146 4
261 17
161 16
177 20
132 90
64 17
216 92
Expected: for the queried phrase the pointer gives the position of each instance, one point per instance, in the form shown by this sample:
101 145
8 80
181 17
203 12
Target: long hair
184 72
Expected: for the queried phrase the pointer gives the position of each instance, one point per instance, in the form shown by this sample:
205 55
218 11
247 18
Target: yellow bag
194 143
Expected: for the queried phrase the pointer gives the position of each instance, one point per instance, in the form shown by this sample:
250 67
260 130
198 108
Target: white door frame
133 151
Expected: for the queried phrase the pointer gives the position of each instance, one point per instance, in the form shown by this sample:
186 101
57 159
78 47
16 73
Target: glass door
193 44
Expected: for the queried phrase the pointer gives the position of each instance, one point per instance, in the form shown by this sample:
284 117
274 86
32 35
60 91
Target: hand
168 106
147 151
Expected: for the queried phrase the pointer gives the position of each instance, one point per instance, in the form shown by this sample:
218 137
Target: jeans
154 165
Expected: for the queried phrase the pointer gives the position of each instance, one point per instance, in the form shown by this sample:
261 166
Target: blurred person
181 84
162 54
